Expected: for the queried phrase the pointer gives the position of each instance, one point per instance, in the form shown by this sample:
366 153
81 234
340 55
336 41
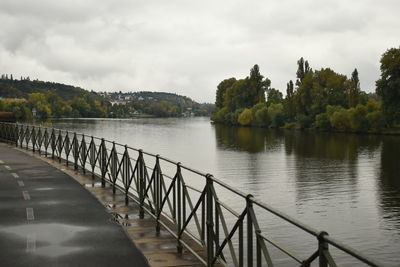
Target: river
345 184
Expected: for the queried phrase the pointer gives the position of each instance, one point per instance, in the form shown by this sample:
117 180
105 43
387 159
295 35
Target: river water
345 184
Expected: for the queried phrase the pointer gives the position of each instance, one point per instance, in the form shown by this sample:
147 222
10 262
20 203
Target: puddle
98 184
48 238
122 219
43 189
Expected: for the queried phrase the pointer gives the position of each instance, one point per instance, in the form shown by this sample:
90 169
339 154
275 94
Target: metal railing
185 203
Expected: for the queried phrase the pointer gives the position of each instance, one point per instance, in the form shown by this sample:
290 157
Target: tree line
41 100
320 99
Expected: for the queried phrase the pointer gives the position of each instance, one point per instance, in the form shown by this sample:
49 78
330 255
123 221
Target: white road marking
7 167
20 183
29 214
31 242
26 195
15 175
1 162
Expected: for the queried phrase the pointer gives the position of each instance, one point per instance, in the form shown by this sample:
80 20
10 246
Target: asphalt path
49 219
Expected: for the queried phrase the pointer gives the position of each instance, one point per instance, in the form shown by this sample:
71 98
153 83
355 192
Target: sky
188 47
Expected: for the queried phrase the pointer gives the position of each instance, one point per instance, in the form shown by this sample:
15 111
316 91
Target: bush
276 115
375 120
322 122
245 117
261 118
303 121
219 115
340 120
357 117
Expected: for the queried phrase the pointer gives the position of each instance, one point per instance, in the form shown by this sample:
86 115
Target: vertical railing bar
179 205
224 228
190 203
259 241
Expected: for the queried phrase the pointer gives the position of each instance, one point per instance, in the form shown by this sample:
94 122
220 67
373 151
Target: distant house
118 102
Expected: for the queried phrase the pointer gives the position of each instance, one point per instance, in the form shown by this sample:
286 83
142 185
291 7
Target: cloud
188 47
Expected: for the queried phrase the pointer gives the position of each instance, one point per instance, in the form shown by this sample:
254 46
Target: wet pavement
49 219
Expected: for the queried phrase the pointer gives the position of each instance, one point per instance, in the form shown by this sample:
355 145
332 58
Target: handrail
167 199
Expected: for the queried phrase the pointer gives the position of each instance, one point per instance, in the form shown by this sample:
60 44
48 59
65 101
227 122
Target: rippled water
345 184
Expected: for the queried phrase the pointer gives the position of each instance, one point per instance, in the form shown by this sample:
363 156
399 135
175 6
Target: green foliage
340 120
260 115
246 117
219 115
221 89
388 86
39 102
276 115
375 120
274 97
322 122
303 121
358 120
354 89
322 99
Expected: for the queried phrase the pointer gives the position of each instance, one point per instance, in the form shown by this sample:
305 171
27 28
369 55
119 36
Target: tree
246 117
289 104
39 102
274 96
388 86
257 86
221 89
302 69
354 90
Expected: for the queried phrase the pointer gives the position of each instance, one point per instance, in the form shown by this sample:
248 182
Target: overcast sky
188 47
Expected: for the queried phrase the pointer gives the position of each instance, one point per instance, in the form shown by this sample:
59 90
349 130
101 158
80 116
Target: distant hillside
160 104
57 100
11 88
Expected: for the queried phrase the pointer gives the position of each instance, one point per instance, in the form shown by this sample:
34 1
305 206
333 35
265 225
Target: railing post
16 135
53 143
113 162
75 151
210 221
179 205
158 191
59 145
142 184
249 206
103 162
322 247
46 141
92 155
33 137
125 173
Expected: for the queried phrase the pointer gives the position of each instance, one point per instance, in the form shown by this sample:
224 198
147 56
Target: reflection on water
346 184
389 182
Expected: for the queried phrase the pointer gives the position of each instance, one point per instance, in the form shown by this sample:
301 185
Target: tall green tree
289 102
354 90
303 67
221 89
388 86
257 86
274 96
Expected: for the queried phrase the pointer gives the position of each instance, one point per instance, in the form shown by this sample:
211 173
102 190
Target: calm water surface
347 185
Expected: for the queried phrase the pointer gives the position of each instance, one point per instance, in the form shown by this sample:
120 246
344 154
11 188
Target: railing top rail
319 234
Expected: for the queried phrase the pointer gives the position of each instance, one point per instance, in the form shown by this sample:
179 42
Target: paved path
48 219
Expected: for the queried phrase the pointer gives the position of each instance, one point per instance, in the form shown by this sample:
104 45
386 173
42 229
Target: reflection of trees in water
323 161
248 139
389 178
342 147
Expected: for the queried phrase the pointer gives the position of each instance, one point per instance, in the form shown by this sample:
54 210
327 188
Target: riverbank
391 131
